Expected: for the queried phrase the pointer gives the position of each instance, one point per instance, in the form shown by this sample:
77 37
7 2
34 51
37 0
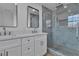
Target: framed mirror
32 17
8 15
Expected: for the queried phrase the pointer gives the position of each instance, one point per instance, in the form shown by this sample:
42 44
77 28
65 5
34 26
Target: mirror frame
16 19
27 16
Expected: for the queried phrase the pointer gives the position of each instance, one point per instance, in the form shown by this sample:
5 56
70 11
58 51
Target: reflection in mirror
8 15
33 17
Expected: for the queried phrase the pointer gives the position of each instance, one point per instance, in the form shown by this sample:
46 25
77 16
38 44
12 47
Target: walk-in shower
65 30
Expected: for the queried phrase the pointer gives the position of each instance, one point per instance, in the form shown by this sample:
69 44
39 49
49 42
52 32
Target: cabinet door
15 51
1 52
40 45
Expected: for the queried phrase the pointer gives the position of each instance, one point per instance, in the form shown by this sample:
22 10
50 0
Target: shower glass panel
47 24
66 30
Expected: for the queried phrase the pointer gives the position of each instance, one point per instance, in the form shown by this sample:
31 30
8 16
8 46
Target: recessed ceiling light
65 5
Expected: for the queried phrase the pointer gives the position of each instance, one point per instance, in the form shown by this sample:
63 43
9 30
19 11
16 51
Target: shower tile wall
64 37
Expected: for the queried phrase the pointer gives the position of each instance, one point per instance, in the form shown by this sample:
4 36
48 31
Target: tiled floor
49 54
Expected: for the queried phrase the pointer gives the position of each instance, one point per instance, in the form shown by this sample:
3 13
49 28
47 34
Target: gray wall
22 17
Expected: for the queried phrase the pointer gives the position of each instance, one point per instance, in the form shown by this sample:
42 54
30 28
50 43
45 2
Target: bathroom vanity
23 45
33 44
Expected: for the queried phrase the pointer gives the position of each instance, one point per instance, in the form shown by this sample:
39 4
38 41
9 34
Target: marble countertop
9 37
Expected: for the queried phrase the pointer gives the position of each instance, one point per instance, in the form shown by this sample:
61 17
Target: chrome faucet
4 30
34 31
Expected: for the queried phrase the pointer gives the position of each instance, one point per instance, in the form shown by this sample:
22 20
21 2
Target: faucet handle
4 30
9 33
5 33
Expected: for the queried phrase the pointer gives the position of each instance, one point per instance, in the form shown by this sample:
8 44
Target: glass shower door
47 24
66 30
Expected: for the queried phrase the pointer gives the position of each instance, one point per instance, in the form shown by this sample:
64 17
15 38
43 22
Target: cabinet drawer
28 40
28 50
9 43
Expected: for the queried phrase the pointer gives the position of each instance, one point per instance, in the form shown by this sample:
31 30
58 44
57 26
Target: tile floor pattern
49 54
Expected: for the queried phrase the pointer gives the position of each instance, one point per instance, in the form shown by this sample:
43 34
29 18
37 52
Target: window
73 20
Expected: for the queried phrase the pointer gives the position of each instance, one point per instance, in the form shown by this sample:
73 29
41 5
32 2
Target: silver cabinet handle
7 53
28 40
28 48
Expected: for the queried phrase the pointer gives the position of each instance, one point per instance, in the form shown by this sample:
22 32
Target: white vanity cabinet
40 45
28 46
32 45
10 47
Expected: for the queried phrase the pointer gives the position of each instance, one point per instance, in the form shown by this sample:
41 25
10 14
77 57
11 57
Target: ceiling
51 6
